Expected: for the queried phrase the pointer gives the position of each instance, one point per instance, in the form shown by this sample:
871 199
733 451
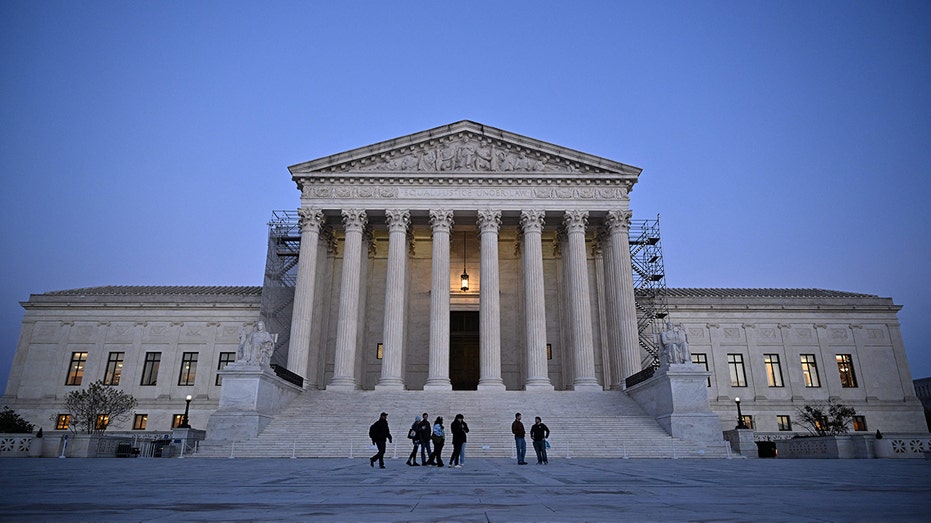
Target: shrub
826 418
10 421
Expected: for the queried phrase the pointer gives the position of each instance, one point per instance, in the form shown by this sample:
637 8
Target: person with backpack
439 438
379 433
414 435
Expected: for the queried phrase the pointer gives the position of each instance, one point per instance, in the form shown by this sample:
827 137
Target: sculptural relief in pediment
464 152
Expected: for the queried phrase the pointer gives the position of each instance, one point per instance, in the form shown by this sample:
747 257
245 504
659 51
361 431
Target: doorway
464 350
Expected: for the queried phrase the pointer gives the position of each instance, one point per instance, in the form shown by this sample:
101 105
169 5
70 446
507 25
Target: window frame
737 369
701 358
222 363
784 422
150 367
773 370
859 424
848 377
177 420
810 371
76 369
63 422
102 422
114 368
140 421
188 372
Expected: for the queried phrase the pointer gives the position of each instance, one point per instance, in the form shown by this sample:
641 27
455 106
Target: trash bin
766 449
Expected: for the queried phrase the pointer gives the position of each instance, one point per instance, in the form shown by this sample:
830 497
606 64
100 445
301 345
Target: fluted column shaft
398 222
535 308
612 313
302 315
348 323
441 222
619 225
489 303
580 309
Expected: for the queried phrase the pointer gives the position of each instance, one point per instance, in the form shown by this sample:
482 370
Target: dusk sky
784 143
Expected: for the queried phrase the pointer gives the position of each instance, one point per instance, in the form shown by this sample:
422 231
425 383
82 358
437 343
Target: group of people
429 440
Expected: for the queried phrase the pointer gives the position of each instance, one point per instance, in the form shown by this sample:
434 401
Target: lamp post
465 275
740 417
187 408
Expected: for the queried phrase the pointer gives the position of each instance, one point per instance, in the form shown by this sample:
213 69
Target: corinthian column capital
310 219
354 219
618 220
398 219
441 220
489 220
575 221
531 221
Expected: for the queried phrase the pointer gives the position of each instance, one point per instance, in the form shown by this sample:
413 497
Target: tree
10 421
826 418
93 409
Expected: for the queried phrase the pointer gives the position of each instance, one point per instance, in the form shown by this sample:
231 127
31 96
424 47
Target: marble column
302 315
347 327
441 222
618 223
531 223
612 312
398 222
489 222
580 308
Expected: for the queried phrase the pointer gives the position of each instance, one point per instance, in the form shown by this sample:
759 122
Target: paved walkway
487 490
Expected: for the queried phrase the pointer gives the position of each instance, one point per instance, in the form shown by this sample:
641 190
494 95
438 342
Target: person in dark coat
379 433
538 433
414 435
438 438
426 450
459 428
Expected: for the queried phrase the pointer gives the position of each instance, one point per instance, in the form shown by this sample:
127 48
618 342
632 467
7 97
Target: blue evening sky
784 143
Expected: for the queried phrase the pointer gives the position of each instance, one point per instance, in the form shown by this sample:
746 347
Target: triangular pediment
462 147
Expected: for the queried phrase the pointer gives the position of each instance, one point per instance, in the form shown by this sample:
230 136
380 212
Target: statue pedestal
677 397
742 442
250 397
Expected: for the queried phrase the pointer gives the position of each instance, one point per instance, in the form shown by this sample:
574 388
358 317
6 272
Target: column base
390 385
342 384
587 386
542 384
438 385
491 386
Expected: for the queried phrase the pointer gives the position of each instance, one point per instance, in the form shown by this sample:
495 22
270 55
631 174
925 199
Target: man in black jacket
379 432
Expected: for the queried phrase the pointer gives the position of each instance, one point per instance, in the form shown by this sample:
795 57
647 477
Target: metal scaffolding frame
284 245
646 258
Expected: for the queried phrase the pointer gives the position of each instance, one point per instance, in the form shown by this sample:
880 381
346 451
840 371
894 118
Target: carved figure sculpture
256 347
675 345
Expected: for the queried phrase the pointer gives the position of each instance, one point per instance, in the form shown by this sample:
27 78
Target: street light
187 408
740 417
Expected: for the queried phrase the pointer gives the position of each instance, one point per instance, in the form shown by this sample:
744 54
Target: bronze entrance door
463 350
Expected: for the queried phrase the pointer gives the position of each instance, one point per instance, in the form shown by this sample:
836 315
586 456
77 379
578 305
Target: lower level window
139 421
102 421
784 422
62 421
859 423
748 421
177 420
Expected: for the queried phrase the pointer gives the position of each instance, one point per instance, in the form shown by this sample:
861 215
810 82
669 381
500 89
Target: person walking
538 434
379 433
438 437
414 435
517 428
459 428
425 432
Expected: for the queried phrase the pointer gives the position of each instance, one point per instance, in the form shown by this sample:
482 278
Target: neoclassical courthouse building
470 268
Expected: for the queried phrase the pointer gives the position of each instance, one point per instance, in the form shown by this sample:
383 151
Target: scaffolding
646 259
284 245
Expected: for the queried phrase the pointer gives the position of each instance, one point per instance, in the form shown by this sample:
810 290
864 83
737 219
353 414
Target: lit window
810 370
188 368
748 420
549 351
102 421
62 422
859 423
114 368
848 378
139 421
379 351
150 368
784 422
177 420
225 359
773 370
735 363
76 369
701 359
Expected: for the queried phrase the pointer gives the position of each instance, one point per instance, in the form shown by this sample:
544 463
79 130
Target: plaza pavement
486 490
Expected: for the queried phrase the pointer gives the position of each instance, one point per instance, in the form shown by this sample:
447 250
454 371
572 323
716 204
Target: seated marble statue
256 347
675 345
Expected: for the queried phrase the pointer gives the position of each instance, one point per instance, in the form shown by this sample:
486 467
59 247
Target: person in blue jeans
517 428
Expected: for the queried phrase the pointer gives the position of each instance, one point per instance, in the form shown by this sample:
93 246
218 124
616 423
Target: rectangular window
76 369
225 359
848 378
139 421
784 422
810 370
114 368
859 423
150 368
702 360
188 368
63 421
177 420
102 421
773 370
748 421
735 362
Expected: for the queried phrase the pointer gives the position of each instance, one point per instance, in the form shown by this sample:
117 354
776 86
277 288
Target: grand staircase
582 425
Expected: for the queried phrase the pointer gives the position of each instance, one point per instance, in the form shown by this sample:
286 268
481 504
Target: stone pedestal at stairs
677 397
742 442
250 397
